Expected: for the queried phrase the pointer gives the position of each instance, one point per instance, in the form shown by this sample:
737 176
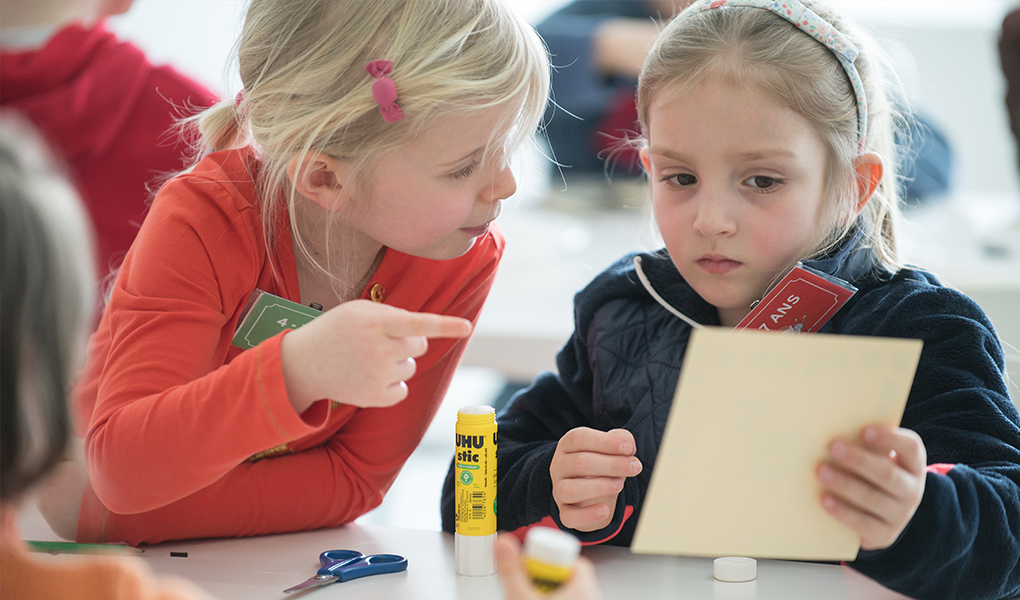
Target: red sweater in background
108 113
191 437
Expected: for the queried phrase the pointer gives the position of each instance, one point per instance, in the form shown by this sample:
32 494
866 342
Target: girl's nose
503 185
714 217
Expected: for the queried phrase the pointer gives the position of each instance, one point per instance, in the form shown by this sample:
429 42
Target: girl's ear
318 177
869 169
645 160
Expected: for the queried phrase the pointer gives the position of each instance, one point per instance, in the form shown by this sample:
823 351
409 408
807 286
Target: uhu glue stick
475 540
549 557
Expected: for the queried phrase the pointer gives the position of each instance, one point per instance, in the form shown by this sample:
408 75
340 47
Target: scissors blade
313 582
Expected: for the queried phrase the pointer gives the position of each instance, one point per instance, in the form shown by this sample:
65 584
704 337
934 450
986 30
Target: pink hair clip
384 91
240 107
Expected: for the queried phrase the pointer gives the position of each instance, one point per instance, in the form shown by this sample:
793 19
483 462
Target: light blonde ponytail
219 127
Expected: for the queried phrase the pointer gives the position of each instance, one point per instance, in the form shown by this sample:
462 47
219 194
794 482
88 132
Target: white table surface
261 567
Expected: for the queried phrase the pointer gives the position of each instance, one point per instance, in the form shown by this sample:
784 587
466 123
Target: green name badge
268 316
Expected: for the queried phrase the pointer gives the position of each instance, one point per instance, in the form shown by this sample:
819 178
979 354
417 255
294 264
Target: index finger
586 439
429 325
909 447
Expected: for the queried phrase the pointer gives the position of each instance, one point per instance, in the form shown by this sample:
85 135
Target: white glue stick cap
552 546
477 409
735 569
475 555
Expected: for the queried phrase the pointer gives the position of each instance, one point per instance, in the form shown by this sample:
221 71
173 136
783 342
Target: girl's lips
718 266
476 231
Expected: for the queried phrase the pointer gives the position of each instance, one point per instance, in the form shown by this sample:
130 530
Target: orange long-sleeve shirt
25 576
189 436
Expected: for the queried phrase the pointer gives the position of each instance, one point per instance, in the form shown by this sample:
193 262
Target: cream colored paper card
752 417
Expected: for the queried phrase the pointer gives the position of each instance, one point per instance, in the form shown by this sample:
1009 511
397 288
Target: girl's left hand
875 486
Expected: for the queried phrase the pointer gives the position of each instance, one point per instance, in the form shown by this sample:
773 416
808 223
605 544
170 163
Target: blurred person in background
103 107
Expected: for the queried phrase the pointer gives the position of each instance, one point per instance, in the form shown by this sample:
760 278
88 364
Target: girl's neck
350 257
729 317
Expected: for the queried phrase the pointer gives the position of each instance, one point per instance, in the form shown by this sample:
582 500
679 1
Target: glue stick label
546 577
475 463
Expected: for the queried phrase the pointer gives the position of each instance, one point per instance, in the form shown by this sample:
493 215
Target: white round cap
477 409
552 546
735 568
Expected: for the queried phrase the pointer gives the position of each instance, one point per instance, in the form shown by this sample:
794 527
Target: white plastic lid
552 546
735 568
478 409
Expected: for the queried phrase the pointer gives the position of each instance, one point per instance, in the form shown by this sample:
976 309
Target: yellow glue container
549 557
475 464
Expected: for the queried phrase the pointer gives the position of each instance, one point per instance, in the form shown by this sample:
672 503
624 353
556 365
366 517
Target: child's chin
448 250
722 298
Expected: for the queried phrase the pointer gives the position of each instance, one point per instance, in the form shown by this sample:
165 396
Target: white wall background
950 61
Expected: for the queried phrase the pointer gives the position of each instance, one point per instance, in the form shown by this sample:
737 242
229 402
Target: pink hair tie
239 98
384 91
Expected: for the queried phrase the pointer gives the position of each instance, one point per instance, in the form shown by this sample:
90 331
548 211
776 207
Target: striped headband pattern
810 23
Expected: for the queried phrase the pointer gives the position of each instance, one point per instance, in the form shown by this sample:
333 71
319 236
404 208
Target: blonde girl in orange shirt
360 169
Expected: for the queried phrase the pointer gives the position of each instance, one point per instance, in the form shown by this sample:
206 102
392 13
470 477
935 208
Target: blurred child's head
45 308
307 91
756 52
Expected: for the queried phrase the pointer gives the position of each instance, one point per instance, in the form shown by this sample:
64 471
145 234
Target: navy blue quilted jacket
620 370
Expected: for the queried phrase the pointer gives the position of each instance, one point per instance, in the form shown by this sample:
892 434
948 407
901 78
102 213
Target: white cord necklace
659 299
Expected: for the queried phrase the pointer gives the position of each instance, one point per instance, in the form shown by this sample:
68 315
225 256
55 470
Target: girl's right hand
360 353
588 471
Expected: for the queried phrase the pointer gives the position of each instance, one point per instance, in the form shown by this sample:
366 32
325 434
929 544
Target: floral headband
810 23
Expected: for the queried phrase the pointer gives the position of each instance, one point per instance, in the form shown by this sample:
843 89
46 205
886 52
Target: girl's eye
466 171
682 179
761 182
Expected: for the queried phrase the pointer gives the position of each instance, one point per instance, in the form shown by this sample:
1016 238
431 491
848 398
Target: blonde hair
302 64
752 46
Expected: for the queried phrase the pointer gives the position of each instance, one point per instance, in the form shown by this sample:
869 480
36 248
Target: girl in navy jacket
767 131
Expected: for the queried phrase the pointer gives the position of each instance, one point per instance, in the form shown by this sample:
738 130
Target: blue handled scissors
344 565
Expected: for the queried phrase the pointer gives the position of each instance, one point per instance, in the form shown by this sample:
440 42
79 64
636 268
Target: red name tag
801 302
